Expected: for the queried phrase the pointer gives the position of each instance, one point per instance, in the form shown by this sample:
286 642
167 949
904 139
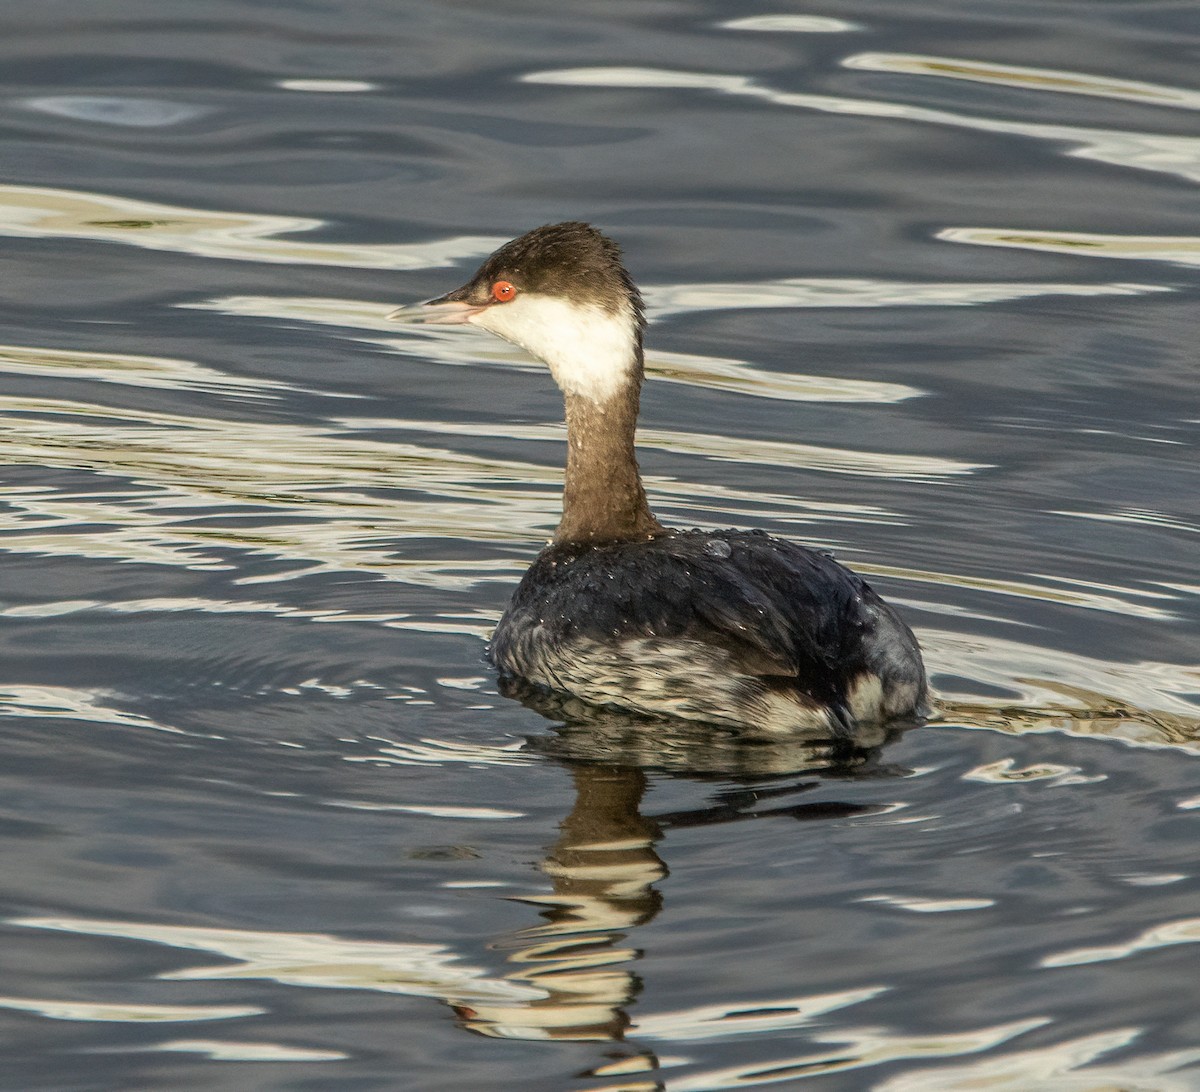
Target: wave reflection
791 24
122 110
72 703
1179 249
127 369
116 1012
1032 79
1064 1065
1174 155
1144 704
307 959
1167 935
38 212
851 1049
830 292
240 1051
1088 595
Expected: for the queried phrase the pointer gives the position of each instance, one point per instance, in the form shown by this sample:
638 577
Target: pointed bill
448 310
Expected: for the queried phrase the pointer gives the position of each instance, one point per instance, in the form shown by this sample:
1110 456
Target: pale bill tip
435 312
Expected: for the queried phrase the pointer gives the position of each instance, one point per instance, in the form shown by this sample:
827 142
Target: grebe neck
603 498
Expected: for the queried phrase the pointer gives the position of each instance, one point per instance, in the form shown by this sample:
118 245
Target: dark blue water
924 286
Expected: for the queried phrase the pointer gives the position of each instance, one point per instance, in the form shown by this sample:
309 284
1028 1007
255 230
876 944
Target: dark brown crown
571 260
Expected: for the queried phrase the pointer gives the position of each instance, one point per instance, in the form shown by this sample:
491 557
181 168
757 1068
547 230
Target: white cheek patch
589 352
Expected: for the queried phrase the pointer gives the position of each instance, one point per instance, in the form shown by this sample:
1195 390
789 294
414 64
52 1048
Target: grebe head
561 293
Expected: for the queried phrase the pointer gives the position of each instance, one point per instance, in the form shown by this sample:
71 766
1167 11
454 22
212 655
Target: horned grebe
730 627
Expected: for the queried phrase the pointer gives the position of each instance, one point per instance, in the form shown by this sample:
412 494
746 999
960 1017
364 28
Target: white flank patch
691 680
865 699
590 352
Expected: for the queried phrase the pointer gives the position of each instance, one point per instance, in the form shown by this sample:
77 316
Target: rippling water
923 288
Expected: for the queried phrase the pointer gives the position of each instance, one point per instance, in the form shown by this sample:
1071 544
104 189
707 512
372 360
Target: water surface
923 288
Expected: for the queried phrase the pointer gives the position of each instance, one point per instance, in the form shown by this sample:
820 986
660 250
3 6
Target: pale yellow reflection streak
1078 712
1153 879
71 703
127 1013
916 905
1138 517
1056 80
183 604
1179 249
138 371
307 959
238 1051
1173 155
37 212
862 292
867 464
855 1048
1062 1066
478 624
1144 703
1052 589
707 1023
791 24
1166 935
325 86
444 811
738 377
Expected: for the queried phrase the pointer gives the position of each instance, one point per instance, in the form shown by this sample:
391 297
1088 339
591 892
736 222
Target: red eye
503 291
